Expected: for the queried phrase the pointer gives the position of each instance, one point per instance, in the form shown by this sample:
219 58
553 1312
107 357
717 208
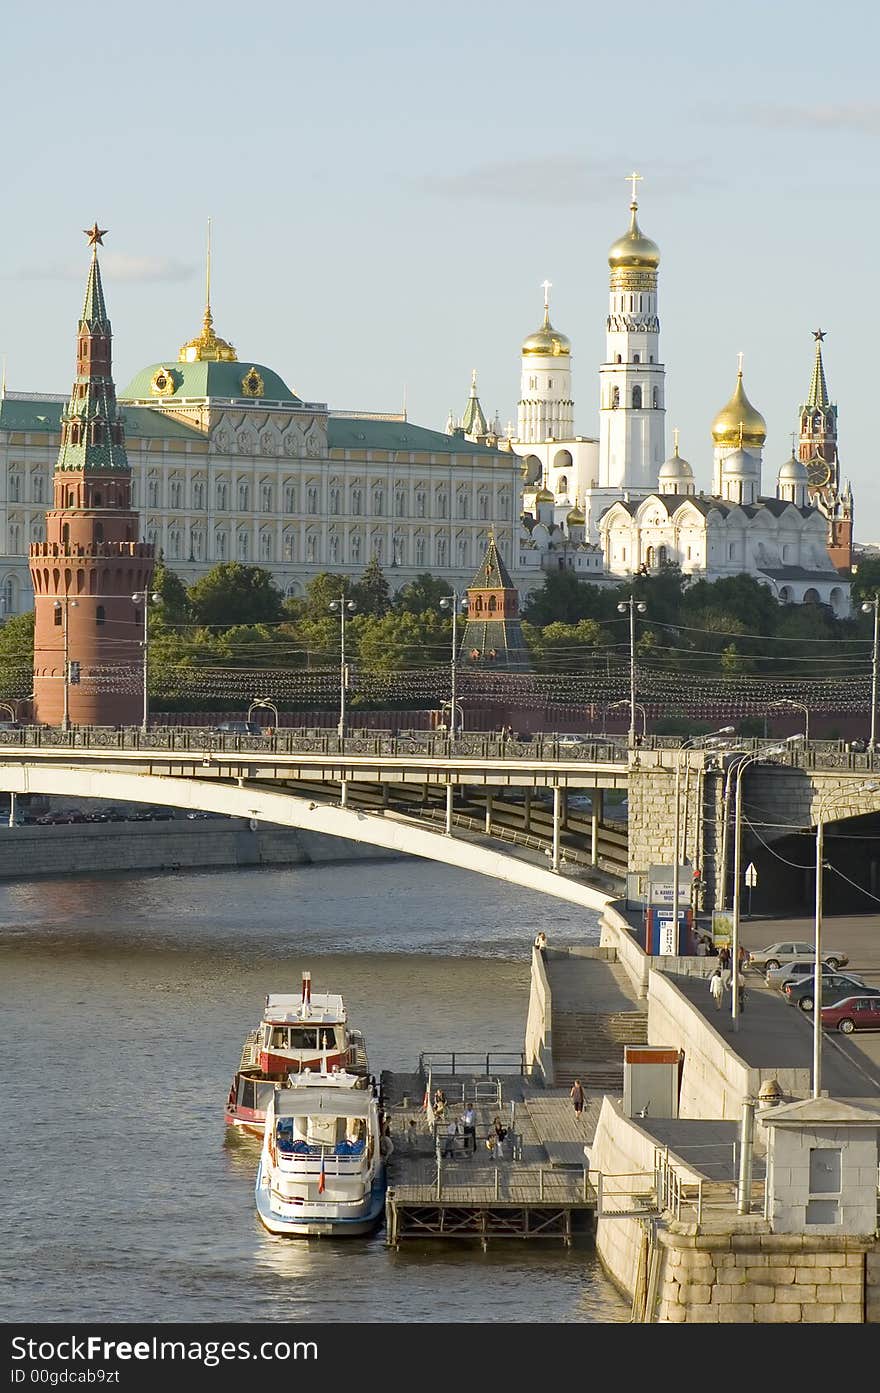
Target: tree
372 594
396 642
565 647
17 656
422 594
866 580
234 594
565 599
174 607
321 591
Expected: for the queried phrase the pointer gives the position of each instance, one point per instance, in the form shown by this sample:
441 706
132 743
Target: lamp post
263 703
632 604
342 607
62 608
146 597
615 705
799 705
455 602
676 852
740 769
824 805
867 606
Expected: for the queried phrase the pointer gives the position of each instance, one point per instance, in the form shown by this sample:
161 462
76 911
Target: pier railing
529 1184
486 1062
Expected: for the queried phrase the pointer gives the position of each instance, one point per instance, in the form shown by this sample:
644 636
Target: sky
389 184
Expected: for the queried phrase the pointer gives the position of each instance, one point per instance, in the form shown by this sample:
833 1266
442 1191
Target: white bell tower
546 407
632 404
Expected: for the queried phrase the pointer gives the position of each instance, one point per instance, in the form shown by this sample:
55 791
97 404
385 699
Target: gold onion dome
575 517
544 496
739 423
634 250
546 340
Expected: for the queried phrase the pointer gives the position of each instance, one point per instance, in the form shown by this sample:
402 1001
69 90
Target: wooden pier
540 1188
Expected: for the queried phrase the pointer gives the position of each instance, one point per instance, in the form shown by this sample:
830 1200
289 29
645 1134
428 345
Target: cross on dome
739 363
634 179
546 286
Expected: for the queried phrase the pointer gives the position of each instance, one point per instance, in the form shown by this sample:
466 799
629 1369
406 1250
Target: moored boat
308 1033
322 1167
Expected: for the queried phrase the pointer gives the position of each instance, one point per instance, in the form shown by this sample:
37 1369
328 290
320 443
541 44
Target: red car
853 1013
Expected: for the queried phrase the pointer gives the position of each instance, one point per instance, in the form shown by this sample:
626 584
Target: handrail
505 1061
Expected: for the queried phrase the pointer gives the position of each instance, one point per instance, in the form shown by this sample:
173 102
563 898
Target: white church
607 508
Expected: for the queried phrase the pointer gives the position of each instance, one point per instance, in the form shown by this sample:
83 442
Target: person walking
716 987
741 988
451 1134
469 1129
577 1098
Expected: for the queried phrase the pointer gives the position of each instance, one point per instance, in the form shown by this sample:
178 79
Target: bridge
457 800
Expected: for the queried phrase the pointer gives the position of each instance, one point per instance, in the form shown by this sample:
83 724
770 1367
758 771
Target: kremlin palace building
228 464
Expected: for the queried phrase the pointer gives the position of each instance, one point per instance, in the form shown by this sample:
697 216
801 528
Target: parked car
197 816
788 952
796 972
853 1013
239 728
835 986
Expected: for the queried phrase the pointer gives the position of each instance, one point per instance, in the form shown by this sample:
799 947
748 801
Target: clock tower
818 451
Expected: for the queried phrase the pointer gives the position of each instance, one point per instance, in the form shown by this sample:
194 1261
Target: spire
94 310
92 435
474 419
493 574
207 346
818 393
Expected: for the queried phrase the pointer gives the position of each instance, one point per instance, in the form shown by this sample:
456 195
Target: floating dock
539 1187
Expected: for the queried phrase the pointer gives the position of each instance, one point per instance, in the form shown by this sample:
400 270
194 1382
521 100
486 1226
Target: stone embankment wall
87 848
733 1269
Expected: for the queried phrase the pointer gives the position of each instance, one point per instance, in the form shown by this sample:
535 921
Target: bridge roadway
253 778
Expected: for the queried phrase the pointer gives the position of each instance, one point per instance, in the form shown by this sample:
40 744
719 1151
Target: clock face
818 473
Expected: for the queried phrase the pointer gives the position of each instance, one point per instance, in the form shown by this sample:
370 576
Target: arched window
655 398
356 501
462 503
442 551
493 604
244 496
355 546
244 545
174 541
65 534
637 398
420 551
333 549
637 357
37 486
57 617
198 493
650 559
14 486
222 495
441 504
562 484
220 545
334 501
311 548
462 551
99 532
176 493
100 616
618 359
266 497
483 506
420 504
265 545
288 544
153 493
661 556
504 505
289 497
378 502
197 544
399 503
313 499
615 398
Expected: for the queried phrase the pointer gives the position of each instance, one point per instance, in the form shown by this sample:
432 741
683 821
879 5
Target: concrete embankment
26 852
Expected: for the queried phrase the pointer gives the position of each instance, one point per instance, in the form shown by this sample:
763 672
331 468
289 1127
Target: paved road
859 936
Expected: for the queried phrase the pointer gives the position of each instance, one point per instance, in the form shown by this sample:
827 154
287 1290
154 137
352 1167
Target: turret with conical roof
818 430
88 633
473 422
493 635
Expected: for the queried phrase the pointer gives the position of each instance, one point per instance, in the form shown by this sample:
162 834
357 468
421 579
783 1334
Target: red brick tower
493 636
88 636
818 451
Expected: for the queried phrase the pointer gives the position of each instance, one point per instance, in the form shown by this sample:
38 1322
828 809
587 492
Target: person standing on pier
469 1128
577 1098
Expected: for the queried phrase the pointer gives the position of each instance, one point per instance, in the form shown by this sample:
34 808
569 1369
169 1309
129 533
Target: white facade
287 486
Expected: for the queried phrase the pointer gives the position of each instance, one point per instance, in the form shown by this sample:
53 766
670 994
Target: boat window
303 1038
284 1134
246 1093
279 1038
264 1092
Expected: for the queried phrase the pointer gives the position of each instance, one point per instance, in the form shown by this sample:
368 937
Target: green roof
208 379
36 416
354 433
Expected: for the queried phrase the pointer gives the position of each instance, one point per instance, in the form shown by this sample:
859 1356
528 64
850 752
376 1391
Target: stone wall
761 1278
78 849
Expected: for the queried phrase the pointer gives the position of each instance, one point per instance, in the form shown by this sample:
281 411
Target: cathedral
610 506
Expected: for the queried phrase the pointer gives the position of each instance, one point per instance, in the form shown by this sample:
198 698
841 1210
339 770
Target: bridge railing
543 747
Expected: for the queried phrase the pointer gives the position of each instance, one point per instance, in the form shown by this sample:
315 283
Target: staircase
588 1045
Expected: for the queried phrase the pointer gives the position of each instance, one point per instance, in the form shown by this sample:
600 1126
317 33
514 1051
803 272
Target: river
125 1000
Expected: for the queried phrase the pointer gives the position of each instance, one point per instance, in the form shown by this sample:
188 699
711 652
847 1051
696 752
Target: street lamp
632 604
457 603
867 606
264 703
824 804
146 597
62 607
676 853
342 607
801 706
615 706
740 768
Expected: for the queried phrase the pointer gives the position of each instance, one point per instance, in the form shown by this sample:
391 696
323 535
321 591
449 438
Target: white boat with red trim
296 1034
322 1168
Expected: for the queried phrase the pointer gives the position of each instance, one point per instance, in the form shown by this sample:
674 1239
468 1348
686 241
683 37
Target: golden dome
207 347
634 249
575 517
545 496
546 340
738 423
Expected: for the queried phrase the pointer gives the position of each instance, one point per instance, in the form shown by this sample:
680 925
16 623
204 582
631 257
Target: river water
125 1001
